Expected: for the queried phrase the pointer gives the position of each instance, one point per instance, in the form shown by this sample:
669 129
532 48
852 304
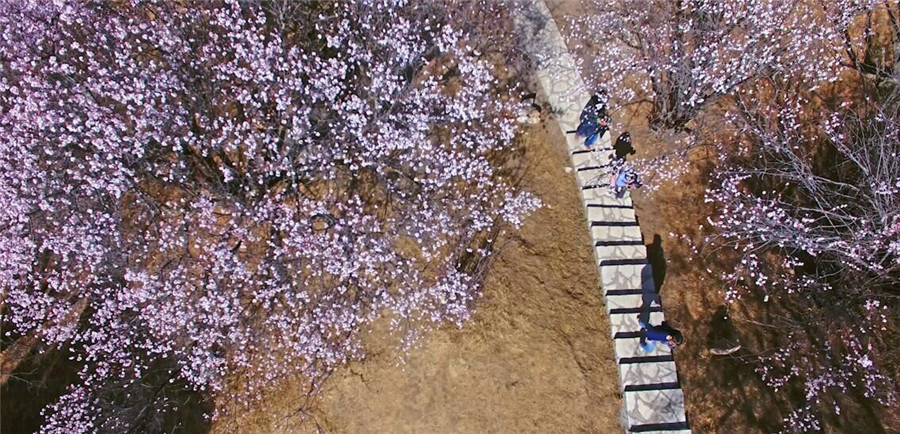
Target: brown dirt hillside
537 356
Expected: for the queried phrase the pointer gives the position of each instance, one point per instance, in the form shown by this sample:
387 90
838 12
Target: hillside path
653 399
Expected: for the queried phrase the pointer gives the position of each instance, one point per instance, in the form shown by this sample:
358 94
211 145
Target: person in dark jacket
661 333
594 119
596 106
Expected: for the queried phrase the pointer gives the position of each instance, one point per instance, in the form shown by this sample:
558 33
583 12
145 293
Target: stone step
594 192
646 359
627 251
621 230
638 276
631 303
611 213
624 261
598 183
618 243
672 429
600 155
655 410
589 177
611 202
601 232
633 310
665 428
598 150
585 158
611 292
601 196
626 324
634 377
573 142
603 150
628 350
592 165
622 302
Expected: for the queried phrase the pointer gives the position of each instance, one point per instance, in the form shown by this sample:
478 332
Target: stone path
653 400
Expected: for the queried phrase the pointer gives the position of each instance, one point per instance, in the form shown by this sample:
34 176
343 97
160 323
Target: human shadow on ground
657 259
623 146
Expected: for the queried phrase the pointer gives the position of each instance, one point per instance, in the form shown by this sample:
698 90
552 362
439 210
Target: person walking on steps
596 106
594 119
622 178
651 334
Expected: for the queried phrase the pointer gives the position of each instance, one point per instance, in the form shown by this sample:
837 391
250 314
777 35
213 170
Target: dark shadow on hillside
739 386
42 379
38 382
732 379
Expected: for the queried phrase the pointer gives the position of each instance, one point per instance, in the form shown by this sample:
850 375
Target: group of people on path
594 122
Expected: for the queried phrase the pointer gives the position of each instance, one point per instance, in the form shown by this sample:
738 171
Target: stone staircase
652 395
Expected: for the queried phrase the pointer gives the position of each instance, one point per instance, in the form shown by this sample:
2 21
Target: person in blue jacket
665 333
623 178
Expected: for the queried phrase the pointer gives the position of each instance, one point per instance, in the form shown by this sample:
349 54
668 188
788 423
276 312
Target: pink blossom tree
235 190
